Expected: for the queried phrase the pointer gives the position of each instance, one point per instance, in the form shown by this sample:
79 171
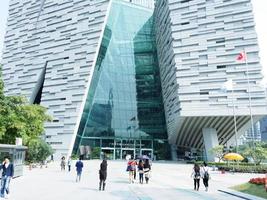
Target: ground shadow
91 189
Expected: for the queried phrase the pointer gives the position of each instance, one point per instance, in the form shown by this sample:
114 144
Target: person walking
130 168
79 168
63 163
196 176
141 171
103 175
135 164
7 174
147 170
205 175
69 164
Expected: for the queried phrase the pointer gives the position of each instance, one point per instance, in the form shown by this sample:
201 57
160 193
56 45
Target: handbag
129 168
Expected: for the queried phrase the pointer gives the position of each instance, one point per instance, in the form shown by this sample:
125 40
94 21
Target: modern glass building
122 77
124 111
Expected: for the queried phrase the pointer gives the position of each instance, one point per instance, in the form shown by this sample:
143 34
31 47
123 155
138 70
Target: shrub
257 181
245 169
96 153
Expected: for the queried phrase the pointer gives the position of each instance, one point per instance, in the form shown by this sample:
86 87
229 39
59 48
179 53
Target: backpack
197 175
206 175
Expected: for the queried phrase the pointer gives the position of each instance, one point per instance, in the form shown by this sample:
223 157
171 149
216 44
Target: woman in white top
205 175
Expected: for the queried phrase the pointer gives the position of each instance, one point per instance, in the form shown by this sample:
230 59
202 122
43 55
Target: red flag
241 56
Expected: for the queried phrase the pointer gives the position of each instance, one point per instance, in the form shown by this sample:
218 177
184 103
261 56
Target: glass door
147 152
127 153
108 153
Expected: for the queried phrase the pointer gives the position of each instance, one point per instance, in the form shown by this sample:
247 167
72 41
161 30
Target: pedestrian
7 174
103 175
69 164
135 164
130 169
63 163
147 170
79 168
205 175
196 176
141 171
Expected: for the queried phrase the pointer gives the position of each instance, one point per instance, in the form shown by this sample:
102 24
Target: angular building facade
111 71
198 42
93 65
124 111
49 56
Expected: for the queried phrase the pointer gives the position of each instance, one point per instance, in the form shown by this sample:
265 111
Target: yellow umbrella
233 156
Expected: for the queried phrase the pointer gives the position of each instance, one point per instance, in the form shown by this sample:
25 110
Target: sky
259 9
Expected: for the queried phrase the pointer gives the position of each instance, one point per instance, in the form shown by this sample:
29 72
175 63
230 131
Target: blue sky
260 11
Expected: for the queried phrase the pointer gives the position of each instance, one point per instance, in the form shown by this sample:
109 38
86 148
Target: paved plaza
169 181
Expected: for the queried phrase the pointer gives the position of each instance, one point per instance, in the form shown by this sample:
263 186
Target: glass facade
124 110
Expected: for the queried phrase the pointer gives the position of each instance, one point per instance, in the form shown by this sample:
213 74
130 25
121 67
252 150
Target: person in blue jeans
7 175
79 168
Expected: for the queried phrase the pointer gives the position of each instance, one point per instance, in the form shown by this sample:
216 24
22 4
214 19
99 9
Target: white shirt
6 165
203 170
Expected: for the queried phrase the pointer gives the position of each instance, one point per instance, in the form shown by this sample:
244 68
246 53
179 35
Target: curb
241 195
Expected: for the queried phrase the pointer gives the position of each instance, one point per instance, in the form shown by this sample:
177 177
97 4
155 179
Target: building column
210 140
174 152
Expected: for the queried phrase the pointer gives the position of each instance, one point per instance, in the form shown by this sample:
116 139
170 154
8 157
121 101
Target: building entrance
147 152
127 152
119 148
108 153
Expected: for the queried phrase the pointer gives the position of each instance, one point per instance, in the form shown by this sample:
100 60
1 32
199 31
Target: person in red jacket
131 166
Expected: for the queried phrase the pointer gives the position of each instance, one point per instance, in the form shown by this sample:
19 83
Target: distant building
263 129
248 136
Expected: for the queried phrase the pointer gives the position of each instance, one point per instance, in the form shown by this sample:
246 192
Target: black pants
102 184
141 177
69 167
196 184
134 174
206 182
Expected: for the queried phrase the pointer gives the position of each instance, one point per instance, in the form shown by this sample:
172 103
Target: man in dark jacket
7 174
103 174
79 168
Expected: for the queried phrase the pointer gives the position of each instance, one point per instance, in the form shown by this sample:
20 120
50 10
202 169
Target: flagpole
236 144
249 96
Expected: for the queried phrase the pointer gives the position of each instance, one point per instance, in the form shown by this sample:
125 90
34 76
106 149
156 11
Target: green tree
1 84
38 150
217 151
258 152
18 118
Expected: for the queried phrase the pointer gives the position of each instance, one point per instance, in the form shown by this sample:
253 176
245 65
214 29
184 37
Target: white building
51 49
51 45
198 43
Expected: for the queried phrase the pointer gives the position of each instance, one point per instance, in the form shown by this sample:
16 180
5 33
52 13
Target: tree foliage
18 118
218 151
38 151
258 152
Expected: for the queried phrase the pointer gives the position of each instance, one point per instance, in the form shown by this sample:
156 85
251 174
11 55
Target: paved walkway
168 182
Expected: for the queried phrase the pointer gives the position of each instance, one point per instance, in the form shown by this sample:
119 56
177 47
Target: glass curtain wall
124 113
